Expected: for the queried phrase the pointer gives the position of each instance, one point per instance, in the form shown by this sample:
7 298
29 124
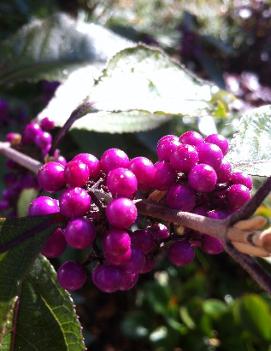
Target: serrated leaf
52 48
44 317
251 144
140 88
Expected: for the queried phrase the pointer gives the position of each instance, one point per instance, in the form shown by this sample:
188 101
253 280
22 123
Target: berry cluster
35 140
97 199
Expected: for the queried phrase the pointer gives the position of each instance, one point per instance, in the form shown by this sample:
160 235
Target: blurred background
210 304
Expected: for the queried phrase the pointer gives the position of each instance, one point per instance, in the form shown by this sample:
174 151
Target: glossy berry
210 154
30 132
114 158
224 172
192 138
76 173
136 262
166 146
144 171
61 159
181 253
181 197
107 278
43 205
44 141
210 245
220 141
117 260
143 240
80 233
159 231
202 177
71 276
51 176
116 242
47 124
237 195
128 280
91 161
164 175
55 244
74 202
242 178
121 213
184 158
121 182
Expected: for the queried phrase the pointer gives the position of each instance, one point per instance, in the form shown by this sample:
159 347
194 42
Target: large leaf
251 144
44 317
140 88
53 47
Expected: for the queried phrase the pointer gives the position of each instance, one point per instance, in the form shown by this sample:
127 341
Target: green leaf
140 88
25 198
44 317
251 144
52 48
214 308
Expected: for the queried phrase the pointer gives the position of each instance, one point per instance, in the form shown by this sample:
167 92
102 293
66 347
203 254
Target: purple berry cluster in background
97 199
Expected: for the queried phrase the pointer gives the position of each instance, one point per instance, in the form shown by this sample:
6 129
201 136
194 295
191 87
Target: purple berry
71 276
107 278
61 159
181 197
74 202
51 176
76 173
143 240
210 154
220 141
44 141
242 178
114 158
223 172
203 178
144 170
181 253
136 262
128 280
164 175
80 233
91 161
166 146
237 195
159 231
210 245
14 138
192 138
47 124
55 244
117 260
121 182
184 158
43 205
200 211
4 205
30 132
121 213
117 242
218 214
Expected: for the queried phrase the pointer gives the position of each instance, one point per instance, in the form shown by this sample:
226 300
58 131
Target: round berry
166 146
143 240
159 231
237 195
117 242
43 205
114 158
76 173
136 262
55 244
220 141
184 158
210 245
61 159
164 175
30 132
192 138
144 171
71 276
44 141
121 182
47 124
224 173
128 280
107 278
181 197
121 213
74 202
91 161
181 253
51 176
242 178
203 178
210 154
80 233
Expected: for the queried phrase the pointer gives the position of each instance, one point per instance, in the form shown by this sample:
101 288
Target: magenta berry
202 177
181 253
224 172
43 205
107 278
117 242
114 158
237 195
192 138
74 202
47 124
71 276
242 178
30 132
76 173
144 170
184 158
210 245
80 233
121 213
128 280
55 244
44 141
166 146
164 175
181 197
220 141
91 161
143 240
51 176
136 262
159 231
210 154
121 182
